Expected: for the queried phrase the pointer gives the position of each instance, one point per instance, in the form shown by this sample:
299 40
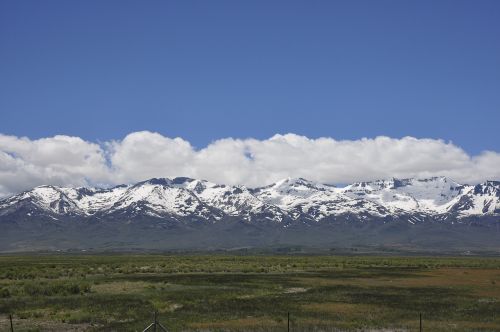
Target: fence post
420 322
155 325
288 321
11 326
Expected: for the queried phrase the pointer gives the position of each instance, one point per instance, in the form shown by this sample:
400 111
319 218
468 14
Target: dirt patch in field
294 290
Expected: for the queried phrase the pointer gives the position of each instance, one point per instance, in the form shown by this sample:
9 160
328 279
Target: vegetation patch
249 293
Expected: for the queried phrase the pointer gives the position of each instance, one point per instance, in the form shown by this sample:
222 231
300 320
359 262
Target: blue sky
205 70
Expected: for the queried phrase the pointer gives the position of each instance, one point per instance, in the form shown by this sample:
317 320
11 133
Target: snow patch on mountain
432 195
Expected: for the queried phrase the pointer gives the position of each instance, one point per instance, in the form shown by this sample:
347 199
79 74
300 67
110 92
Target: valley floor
249 293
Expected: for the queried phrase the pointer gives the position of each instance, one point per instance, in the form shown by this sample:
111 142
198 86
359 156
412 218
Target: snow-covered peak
480 199
298 187
48 198
159 196
489 188
194 185
395 183
434 194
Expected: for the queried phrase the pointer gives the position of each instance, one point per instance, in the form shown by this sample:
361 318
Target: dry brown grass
121 287
483 282
342 308
40 325
241 323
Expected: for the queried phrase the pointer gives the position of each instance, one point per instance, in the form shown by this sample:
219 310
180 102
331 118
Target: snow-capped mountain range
286 201
433 214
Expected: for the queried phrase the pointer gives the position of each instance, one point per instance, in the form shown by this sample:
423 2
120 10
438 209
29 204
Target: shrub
4 292
52 289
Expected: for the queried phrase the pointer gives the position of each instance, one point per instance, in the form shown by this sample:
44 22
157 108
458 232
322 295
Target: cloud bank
72 161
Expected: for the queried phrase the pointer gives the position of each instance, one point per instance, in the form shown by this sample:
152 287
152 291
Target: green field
249 293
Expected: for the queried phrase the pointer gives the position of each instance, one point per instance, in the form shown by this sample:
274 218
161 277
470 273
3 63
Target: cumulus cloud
59 160
71 161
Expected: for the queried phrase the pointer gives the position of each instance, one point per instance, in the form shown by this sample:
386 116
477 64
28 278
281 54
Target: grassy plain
249 293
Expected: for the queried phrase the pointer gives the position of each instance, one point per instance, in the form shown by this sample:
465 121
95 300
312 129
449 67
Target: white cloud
143 155
71 161
58 160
